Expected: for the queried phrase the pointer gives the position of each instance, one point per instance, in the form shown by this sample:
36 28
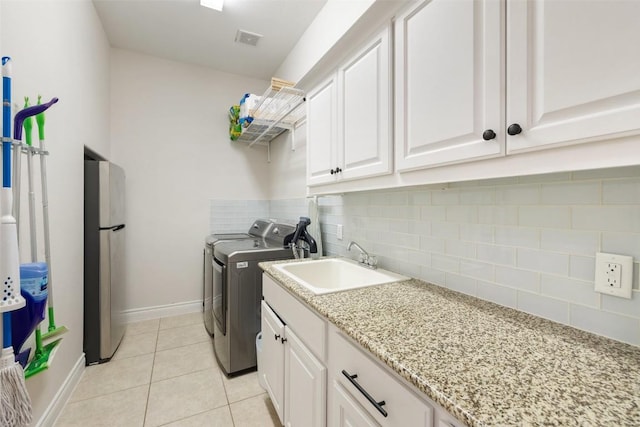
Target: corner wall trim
156 312
54 409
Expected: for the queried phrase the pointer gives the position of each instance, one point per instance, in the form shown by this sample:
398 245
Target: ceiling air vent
247 37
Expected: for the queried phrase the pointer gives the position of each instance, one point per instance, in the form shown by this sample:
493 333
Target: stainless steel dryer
237 292
258 229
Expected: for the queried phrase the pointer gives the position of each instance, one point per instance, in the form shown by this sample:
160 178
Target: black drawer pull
276 336
378 405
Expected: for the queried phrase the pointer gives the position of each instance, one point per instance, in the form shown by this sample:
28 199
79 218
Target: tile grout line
153 362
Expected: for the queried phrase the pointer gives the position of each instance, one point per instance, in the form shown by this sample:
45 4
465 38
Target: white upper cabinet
349 118
364 118
322 128
449 89
573 71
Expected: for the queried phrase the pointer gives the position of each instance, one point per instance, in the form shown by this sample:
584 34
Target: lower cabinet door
346 411
273 358
305 385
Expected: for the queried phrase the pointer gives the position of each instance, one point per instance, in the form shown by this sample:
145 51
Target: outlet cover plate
608 268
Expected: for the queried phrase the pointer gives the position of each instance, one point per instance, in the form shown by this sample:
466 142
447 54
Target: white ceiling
182 30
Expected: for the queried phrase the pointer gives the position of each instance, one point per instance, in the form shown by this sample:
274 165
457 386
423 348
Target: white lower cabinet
295 377
346 411
272 369
361 386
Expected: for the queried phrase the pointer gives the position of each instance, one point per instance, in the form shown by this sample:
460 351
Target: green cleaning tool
43 355
53 330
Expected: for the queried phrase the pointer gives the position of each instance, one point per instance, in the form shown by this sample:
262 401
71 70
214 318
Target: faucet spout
358 247
365 259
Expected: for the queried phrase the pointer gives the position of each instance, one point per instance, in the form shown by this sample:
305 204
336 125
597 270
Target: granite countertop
486 364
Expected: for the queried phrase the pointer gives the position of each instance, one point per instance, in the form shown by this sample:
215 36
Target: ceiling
184 31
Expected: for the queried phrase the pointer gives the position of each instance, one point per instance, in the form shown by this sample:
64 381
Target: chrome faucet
367 260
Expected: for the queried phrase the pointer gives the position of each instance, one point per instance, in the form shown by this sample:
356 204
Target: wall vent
247 37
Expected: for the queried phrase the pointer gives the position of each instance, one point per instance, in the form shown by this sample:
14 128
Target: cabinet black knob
283 340
514 129
338 170
488 135
276 336
333 171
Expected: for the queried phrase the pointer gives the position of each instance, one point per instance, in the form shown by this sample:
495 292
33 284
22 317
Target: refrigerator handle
114 228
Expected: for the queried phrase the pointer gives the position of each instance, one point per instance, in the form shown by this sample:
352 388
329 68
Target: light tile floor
165 374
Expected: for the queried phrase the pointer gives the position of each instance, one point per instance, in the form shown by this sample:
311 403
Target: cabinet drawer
402 406
311 329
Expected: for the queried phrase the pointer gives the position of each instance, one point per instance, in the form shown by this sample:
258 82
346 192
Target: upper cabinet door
322 131
449 82
364 113
573 71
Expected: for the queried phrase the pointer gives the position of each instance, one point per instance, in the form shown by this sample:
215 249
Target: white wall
169 130
59 49
332 22
288 168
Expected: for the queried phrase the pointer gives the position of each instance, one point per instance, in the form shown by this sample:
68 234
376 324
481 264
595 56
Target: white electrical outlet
339 232
614 274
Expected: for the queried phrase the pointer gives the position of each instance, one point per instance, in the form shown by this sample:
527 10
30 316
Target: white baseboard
56 406
149 313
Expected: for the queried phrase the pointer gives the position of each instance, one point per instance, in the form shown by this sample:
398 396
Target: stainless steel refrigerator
104 251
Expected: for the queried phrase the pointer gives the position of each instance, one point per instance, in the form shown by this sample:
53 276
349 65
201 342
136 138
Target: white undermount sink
324 276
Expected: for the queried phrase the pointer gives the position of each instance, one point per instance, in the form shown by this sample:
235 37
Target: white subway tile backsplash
446 230
570 241
518 195
463 284
496 293
545 262
518 236
571 193
516 278
421 228
462 214
419 257
420 198
433 213
539 305
622 243
628 307
480 233
578 291
545 216
476 269
621 192
621 328
431 275
432 244
399 225
582 267
460 248
445 263
499 215
496 254
606 218
477 196
389 198
445 197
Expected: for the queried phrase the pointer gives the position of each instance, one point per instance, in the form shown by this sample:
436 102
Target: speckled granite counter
487 365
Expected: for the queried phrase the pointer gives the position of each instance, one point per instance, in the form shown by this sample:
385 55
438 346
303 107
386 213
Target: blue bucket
34 278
